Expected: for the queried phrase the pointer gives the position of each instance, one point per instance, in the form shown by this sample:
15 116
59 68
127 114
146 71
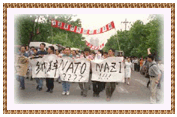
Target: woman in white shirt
128 66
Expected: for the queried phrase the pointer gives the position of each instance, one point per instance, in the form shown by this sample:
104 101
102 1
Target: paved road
135 93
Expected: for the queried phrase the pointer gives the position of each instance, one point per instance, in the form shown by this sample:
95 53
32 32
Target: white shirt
136 61
128 65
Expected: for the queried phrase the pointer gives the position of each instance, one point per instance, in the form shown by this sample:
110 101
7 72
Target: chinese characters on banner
46 67
78 70
75 29
51 66
108 70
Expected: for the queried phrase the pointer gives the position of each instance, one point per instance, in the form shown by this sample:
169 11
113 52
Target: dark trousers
97 87
138 68
148 83
110 87
135 66
49 83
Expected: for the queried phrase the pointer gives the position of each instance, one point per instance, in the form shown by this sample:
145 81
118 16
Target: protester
141 63
24 58
155 76
32 50
144 61
99 54
138 65
84 86
161 67
34 55
40 53
60 54
28 52
56 52
93 54
105 55
49 81
65 84
133 63
128 66
110 86
73 52
82 54
97 85
35 52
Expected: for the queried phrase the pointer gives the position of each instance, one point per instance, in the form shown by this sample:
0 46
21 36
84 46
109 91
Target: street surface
135 93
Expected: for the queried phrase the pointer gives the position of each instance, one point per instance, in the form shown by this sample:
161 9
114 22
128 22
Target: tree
38 28
140 37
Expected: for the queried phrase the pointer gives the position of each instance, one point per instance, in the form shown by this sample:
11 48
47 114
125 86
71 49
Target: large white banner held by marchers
46 67
74 70
108 70
51 66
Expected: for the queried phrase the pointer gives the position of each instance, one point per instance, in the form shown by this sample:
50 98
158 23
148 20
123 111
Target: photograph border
88 5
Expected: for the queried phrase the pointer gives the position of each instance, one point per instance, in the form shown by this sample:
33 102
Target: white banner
51 66
38 69
108 70
74 70
46 67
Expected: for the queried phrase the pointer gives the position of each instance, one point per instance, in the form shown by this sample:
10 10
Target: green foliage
26 30
140 37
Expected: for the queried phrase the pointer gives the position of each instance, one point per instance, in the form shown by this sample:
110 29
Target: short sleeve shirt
41 53
154 70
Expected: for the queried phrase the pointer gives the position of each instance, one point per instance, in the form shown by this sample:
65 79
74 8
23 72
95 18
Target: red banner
75 29
92 47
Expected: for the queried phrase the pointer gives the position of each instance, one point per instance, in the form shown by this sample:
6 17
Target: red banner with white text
75 29
92 47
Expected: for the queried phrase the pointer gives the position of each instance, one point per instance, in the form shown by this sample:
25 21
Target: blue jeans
66 86
39 82
21 79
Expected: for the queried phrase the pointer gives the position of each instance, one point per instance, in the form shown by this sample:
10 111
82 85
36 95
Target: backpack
147 75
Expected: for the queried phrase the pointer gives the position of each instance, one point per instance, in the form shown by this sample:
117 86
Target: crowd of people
147 66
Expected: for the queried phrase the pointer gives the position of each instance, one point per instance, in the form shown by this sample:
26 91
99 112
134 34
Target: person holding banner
98 86
105 55
22 64
73 52
128 66
65 84
85 86
110 86
40 53
49 81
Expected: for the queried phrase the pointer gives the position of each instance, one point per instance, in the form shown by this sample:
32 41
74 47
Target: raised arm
148 50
